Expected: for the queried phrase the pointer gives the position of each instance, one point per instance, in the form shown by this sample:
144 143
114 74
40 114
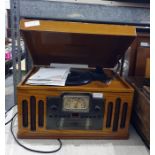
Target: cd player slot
75 115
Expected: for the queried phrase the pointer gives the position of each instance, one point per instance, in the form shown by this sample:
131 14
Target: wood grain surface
119 89
78 43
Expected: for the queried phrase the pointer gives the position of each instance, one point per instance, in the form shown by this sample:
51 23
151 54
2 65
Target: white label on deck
32 23
97 95
144 44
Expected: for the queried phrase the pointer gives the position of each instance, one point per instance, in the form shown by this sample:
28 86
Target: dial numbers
76 103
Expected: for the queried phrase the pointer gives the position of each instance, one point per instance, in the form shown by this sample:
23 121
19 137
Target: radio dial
97 108
54 107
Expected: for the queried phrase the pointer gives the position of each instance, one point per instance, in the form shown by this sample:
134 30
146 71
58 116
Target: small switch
97 108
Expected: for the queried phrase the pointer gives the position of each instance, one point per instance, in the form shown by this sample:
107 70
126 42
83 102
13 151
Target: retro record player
95 102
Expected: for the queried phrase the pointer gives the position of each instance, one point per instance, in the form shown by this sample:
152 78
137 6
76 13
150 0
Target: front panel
75 114
75 111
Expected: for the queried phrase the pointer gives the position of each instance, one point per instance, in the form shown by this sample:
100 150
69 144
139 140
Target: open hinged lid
75 42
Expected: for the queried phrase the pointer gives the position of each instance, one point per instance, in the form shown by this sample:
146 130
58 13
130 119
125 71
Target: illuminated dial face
76 103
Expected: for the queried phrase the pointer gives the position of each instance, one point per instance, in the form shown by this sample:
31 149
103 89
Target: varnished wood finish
147 68
80 43
118 88
117 84
137 53
143 53
141 109
81 28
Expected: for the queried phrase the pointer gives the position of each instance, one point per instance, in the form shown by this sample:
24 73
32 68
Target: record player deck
95 103
79 77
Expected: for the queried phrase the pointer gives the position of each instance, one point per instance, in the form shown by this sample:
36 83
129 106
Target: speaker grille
109 114
40 113
116 114
124 114
33 113
25 113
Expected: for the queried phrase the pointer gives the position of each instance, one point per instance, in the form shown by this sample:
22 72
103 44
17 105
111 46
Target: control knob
54 107
97 108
